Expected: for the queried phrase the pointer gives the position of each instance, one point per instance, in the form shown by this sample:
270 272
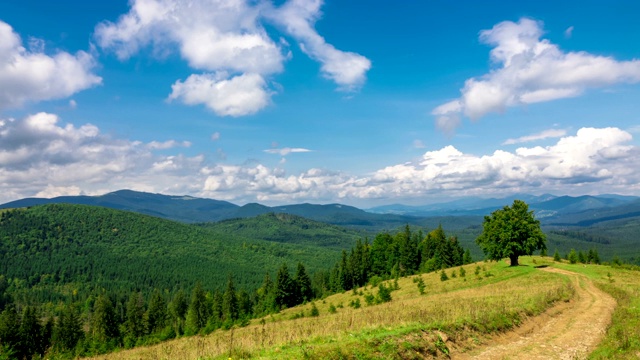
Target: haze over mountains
551 209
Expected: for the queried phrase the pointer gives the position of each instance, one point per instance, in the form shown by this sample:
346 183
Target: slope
500 308
45 247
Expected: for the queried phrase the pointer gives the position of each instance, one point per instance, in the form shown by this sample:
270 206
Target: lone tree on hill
511 232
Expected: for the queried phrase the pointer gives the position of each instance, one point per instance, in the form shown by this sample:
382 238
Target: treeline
582 236
589 257
112 322
405 253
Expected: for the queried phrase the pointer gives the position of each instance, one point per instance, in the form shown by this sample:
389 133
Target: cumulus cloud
546 134
41 156
598 156
226 95
529 70
31 75
286 151
228 41
298 17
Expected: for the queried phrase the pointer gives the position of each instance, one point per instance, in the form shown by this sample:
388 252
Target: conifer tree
218 313
68 330
303 284
284 291
230 302
467 259
198 313
9 325
30 334
178 311
134 318
105 323
157 313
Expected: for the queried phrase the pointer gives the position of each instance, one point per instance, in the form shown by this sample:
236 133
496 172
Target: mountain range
551 209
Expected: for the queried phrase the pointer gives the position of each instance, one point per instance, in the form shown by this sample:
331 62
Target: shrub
573 256
384 294
355 303
314 310
369 299
421 285
375 280
443 276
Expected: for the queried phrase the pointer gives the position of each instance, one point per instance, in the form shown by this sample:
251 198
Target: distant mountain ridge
196 210
549 208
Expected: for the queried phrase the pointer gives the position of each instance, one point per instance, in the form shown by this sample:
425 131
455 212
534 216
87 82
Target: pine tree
218 314
556 256
30 334
9 325
198 313
265 296
68 330
303 283
178 311
230 302
157 313
105 323
134 318
573 256
467 259
283 288
380 254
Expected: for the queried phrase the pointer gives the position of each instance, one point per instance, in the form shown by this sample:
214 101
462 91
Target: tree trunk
514 260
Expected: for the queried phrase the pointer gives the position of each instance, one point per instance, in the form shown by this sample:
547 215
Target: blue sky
357 102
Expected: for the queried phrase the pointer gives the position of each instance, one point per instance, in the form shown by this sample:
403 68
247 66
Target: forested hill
287 228
45 247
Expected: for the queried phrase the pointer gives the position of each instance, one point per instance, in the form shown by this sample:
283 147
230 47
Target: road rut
566 331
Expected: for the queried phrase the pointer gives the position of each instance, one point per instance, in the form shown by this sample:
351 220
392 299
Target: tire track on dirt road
566 331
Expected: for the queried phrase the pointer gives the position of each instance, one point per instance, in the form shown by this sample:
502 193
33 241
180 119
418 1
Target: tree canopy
511 232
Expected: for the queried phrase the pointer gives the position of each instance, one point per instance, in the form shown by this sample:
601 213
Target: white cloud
227 40
530 70
215 136
546 134
73 104
31 75
298 17
568 32
157 145
286 151
227 96
41 156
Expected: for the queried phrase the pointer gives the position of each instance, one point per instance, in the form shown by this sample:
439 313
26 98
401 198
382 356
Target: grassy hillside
454 315
46 247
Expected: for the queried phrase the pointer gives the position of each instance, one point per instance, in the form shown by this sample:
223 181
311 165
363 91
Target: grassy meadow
459 313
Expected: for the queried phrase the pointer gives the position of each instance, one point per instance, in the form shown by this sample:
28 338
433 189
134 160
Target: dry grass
460 309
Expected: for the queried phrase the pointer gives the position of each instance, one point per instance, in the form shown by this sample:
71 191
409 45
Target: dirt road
567 331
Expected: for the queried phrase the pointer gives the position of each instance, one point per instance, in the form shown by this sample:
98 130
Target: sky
360 102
